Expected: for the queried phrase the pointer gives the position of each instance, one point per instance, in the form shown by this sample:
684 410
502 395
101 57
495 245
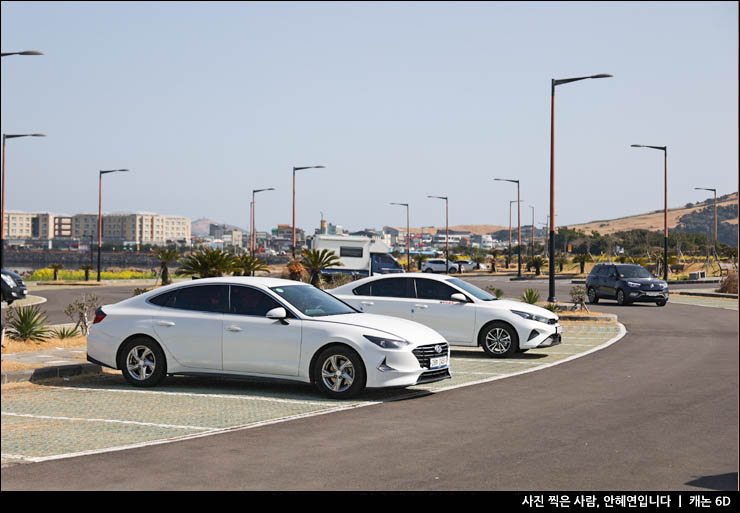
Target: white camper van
358 253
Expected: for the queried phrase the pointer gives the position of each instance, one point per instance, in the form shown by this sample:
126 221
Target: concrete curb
34 300
61 371
705 294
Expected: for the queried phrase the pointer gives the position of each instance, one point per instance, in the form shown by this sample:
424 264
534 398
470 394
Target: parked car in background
466 265
627 283
13 287
461 312
264 327
437 265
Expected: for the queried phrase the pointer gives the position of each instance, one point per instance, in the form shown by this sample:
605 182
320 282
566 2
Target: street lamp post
551 242
25 52
253 235
715 215
408 236
518 224
294 170
664 149
447 232
532 207
100 209
2 195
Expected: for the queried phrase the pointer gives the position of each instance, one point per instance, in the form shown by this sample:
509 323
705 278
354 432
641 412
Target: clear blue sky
206 101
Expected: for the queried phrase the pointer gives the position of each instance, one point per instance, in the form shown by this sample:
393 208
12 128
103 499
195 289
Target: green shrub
495 291
530 296
553 307
27 323
65 332
48 275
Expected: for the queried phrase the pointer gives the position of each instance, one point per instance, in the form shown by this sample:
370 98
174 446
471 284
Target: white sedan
265 327
461 312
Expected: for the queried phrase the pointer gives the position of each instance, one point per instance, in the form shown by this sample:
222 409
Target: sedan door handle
368 303
421 306
234 328
165 323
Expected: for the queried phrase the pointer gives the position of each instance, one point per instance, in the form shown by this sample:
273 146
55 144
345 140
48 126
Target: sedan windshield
312 301
473 290
633 271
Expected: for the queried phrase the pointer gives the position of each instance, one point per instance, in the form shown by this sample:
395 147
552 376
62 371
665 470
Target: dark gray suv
627 283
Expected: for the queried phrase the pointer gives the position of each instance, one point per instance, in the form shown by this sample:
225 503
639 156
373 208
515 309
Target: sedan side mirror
278 314
459 297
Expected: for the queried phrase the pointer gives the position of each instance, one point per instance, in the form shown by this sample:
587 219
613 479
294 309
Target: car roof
351 285
245 280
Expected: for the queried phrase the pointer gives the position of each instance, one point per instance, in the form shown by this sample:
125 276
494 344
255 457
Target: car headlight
633 284
531 317
387 343
7 279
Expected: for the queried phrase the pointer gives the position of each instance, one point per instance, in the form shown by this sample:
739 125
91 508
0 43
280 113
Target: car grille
432 376
424 353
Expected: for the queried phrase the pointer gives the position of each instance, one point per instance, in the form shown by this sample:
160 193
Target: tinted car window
206 298
633 271
390 287
249 301
432 289
604 270
596 270
166 299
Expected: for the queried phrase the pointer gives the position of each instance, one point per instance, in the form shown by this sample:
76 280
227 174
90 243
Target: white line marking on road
111 421
35 459
191 394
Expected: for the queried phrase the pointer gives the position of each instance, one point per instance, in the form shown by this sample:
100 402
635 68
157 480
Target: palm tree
315 261
561 260
87 268
479 258
56 268
165 256
581 259
537 262
249 265
418 259
207 263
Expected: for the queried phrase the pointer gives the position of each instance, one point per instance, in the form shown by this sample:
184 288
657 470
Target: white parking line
191 394
111 421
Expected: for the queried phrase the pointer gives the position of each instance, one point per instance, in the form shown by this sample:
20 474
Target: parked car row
383 331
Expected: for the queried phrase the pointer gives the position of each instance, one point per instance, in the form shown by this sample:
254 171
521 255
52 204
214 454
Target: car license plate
654 294
435 363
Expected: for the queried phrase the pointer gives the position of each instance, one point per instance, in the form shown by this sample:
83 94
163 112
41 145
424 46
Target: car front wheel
499 340
143 363
339 373
621 299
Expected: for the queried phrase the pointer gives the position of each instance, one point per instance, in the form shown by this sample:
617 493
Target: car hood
519 306
408 330
645 281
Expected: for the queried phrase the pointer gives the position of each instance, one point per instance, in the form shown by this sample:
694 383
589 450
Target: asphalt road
58 299
655 411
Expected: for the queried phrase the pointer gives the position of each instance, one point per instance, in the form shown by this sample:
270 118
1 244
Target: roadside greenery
80 309
315 261
530 296
47 274
27 323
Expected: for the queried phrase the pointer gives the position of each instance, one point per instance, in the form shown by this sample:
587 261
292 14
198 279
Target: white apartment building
134 228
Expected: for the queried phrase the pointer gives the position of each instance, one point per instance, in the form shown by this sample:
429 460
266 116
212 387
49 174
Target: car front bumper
539 335
647 296
392 369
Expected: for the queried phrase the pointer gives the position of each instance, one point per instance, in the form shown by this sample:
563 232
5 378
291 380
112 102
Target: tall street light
408 236
511 203
100 209
532 207
664 149
518 224
715 215
447 231
551 243
25 52
294 170
253 235
2 195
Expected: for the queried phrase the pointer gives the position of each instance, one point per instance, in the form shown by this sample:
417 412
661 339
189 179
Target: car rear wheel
499 340
428 270
592 297
339 372
143 363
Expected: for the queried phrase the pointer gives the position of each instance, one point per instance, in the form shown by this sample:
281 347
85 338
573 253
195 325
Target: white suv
437 265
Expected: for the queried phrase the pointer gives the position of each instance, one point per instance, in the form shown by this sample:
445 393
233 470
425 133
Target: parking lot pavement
89 414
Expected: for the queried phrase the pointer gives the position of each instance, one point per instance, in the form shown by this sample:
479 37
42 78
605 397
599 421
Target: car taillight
99 315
